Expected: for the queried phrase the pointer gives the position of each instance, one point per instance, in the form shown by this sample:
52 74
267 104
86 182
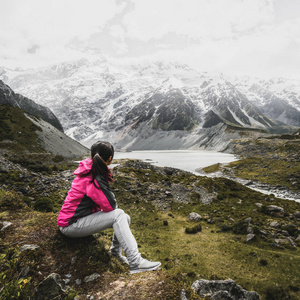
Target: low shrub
13 287
225 227
240 227
291 229
193 230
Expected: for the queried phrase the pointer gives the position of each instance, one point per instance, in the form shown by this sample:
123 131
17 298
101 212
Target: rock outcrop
222 290
52 287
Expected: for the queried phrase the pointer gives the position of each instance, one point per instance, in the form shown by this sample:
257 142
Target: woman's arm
110 196
102 195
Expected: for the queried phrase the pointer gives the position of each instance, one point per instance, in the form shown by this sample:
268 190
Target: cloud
237 36
33 49
199 19
49 24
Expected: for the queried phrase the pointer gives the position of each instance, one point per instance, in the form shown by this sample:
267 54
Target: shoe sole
144 270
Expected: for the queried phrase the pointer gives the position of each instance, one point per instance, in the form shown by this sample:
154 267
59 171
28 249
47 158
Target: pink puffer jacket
84 198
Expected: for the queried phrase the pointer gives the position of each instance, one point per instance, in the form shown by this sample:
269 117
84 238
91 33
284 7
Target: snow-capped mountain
140 106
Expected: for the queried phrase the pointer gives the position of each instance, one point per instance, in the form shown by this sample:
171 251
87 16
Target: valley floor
159 200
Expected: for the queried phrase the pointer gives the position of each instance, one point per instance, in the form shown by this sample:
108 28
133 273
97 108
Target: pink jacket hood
84 167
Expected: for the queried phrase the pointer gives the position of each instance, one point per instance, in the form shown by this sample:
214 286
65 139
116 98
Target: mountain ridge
24 128
94 99
8 96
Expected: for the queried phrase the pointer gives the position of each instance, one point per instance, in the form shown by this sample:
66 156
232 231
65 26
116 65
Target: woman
91 206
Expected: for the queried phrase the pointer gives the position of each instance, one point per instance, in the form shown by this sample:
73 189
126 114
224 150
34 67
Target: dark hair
100 153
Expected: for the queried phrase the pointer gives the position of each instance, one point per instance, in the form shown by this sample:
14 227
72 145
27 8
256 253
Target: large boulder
222 289
274 210
194 217
52 287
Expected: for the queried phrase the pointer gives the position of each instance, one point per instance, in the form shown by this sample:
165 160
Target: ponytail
99 167
100 154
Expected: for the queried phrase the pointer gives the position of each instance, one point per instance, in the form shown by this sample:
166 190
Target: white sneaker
145 265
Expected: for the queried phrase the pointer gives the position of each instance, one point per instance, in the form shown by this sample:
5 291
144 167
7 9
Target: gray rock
183 295
221 295
28 247
275 224
298 238
78 281
5 225
291 242
91 277
169 171
275 210
194 217
25 270
248 220
226 288
53 287
258 205
73 260
250 237
250 229
284 232
297 214
285 241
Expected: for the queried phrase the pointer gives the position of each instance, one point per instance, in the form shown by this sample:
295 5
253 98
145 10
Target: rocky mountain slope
8 96
24 129
135 105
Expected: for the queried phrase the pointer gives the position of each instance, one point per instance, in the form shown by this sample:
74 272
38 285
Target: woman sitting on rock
91 206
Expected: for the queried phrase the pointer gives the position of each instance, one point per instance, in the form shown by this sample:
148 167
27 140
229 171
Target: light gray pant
122 237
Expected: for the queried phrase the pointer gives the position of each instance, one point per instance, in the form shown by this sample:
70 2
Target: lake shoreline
145 156
186 160
278 191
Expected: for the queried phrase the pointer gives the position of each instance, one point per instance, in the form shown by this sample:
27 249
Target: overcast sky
254 37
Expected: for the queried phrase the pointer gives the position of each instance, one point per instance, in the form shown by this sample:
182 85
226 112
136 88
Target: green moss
212 168
44 204
11 201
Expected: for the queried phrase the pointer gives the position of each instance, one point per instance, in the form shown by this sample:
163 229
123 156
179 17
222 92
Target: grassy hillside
273 160
17 133
158 201
21 132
